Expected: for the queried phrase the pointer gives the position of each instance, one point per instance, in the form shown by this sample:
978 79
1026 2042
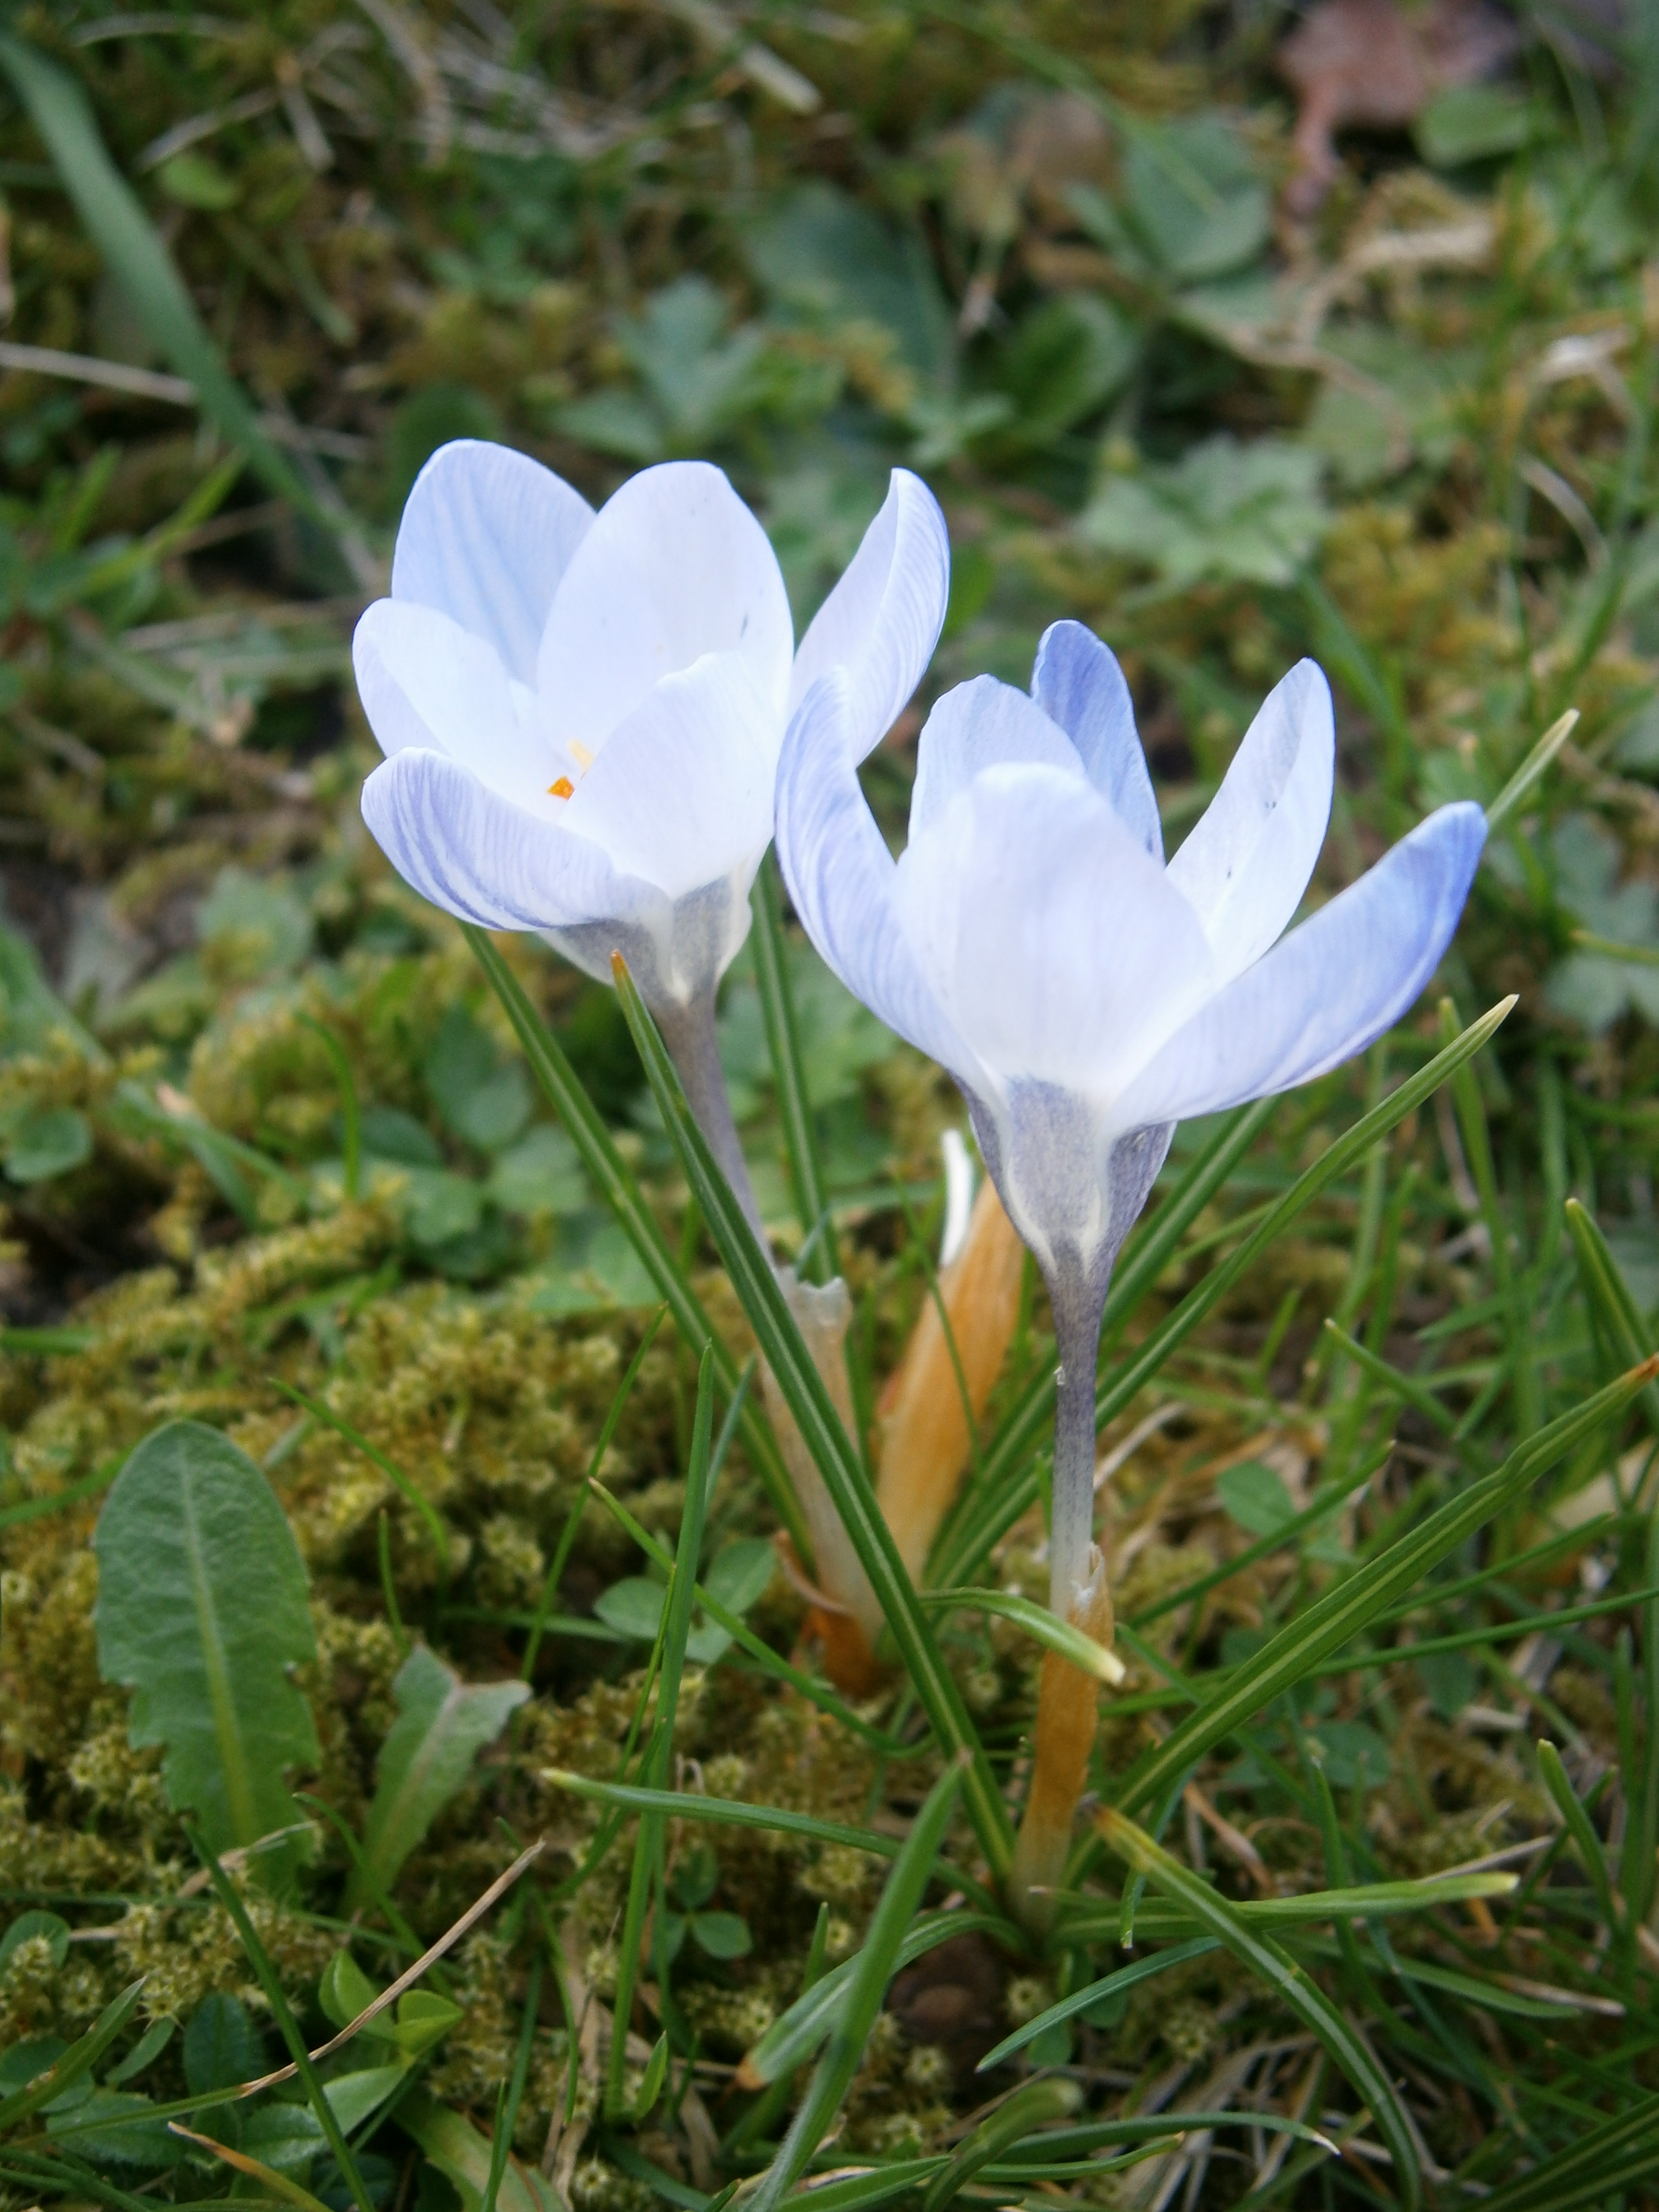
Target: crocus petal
972 728
882 619
485 537
1078 683
1247 863
425 681
842 879
674 567
484 860
1051 938
1333 986
682 793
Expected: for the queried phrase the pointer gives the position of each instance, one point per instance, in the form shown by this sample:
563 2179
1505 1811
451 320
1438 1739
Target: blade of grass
1601 2164
1109 1985
506 2117
1585 1841
573 1521
1329 1624
617 1187
1054 2097
1608 1297
1011 1492
777 1003
797 2034
658 1759
1049 1630
744 1636
394 1474
1509 800
832 1452
1291 1982
876 1963
79 2059
270 1983
133 253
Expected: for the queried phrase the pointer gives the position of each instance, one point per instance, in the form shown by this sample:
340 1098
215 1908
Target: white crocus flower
582 713
1086 995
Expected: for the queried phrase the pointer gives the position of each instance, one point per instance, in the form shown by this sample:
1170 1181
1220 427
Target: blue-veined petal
1248 859
675 565
1078 684
485 537
882 619
975 726
1052 939
481 858
682 793
1328 990
425 681
841 877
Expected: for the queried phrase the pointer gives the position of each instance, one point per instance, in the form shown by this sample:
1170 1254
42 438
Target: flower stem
822 1314
1066 1698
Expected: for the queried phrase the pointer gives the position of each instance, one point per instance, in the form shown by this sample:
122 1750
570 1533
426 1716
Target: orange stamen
563 789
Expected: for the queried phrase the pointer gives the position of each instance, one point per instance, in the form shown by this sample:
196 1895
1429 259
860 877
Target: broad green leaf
121 2127
30 1927
461 2154
1291 1983
281 2184
136 258
221 2046
48 1141
484 1099
872 1969
756 1285
442 1724
202 1611
722 1934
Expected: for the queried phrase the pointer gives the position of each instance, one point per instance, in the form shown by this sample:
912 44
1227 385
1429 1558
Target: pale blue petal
1052 939
674 567
1078 684
976 726
424 681
485 537
681 792
1248 861
1328 990
841 877
882 619
484 860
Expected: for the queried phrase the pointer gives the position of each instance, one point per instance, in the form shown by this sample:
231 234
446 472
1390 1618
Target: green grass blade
797 2034
545 1604
731 1812
1508 799
659 1760
1053 1633
616 1186
1585 1841
1293 1985
507 2119
78 2059
270 1983
1328 1625
1109 1985
876 1965
752 1646
1611 1307
1038 2103
832 1451
1594 2171
136 258
1016 1491
783 1042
